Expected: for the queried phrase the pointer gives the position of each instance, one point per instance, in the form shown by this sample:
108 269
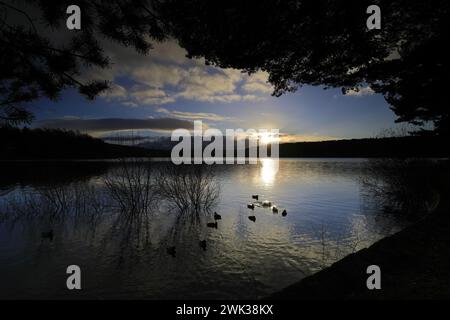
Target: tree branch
22 12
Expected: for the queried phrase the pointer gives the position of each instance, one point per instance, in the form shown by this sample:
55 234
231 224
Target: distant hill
32 144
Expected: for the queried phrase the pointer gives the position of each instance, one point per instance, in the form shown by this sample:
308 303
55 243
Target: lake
56 215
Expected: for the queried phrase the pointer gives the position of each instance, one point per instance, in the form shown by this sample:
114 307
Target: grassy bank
415 264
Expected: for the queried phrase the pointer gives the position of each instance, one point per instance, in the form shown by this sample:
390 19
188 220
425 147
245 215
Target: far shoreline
19 144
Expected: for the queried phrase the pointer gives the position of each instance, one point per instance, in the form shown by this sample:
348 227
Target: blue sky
166 84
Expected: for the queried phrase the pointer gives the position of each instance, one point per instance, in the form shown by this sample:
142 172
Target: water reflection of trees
191 189
43 173
410 186
49 206
191 192
132 187
122 204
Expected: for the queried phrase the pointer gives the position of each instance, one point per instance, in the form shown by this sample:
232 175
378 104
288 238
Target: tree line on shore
34 144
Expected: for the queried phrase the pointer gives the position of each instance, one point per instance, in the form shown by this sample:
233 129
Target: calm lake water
329 215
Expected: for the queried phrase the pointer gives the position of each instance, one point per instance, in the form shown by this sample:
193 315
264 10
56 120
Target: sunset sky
166 90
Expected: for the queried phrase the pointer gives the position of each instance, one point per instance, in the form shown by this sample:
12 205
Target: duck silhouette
212 225
266 203
203 244
284 213
255 196
47 235
172 251
252 218
251 206
274 209
217 216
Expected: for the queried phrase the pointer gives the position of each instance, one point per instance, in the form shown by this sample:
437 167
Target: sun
267 138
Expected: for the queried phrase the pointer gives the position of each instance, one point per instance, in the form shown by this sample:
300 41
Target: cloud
151 96
130 104
257 87
360 92
71 118
114 124
258 83
166 76
195 115
158 75
289 138
169 51
115 91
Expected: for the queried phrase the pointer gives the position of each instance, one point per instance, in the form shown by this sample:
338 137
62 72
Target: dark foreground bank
414 263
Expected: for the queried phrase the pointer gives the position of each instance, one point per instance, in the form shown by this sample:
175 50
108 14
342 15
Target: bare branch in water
192 189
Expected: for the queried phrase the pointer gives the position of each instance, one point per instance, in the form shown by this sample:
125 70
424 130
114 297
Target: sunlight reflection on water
268 171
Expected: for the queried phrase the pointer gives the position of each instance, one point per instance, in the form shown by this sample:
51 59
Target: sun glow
267 138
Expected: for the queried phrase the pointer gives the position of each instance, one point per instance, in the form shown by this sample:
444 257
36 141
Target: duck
274 209
284 213
217 216
251 206
212 225
266 203
255 196
47 235
252 218
171 251
203 244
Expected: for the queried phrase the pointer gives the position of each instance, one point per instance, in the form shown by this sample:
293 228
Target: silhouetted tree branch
326 42
35 64
298 42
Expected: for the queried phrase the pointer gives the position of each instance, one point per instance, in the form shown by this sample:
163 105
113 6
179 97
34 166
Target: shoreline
414 263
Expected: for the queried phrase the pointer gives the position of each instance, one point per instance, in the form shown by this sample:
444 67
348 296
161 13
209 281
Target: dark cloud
113 124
